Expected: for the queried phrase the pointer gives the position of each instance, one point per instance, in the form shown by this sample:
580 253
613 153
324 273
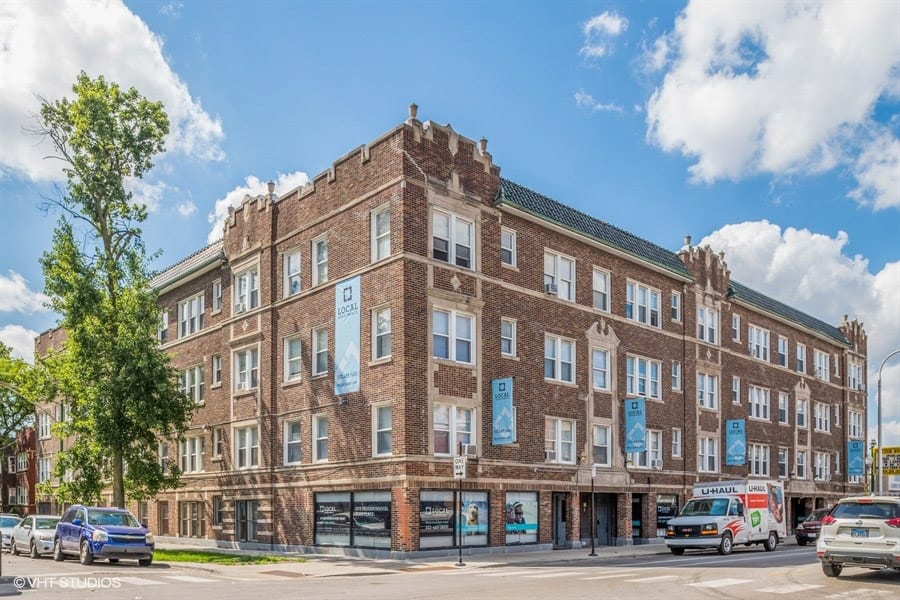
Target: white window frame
218 442
246 442
677 442
319 350
758 457
456 224
510 339
822 467
455 431
644 460
675 307
759 401
217 295
800 464
454 340
676 375
638 298
634 379
193 383
784 408
511 248
822 417
735 389
22 461
319 259
707 455
557 344
191 315
782 351
289 442
556 448
601 439
855 376
821 366
192 454
45 467
708 325
801 358
758 342
292 364
43 426
379 252
736 328
162 327
553 263
290 268
246 377
784 462
836 420
707 391
601 371
318 438
216 370
382 338
856 420
600 289
245 290
377 429
802 413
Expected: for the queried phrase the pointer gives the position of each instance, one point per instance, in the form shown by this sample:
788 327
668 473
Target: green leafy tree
16 411
121 392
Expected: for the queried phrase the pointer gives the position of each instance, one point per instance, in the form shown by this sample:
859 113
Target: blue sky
768 130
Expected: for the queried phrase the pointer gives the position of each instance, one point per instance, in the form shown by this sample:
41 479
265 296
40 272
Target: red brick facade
414 171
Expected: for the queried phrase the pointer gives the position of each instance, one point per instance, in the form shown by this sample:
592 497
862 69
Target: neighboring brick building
466 279
19 473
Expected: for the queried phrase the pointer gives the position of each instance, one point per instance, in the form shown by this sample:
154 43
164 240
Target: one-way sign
459 467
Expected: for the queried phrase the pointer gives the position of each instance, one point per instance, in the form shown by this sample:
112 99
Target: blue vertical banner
346 336
735 442
504 426
635 425
855 451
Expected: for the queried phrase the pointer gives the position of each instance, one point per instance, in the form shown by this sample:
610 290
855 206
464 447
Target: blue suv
91 532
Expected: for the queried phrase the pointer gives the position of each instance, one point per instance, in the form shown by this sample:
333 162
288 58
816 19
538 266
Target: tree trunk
118 480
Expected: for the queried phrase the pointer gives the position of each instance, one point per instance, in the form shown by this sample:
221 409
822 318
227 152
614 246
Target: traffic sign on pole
459 467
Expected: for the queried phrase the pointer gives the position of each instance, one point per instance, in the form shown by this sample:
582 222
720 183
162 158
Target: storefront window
521 517
361 519
333 519
437 523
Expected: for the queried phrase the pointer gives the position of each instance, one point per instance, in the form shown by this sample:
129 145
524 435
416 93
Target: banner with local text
346 336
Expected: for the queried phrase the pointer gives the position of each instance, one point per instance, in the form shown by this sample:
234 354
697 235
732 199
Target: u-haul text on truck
724 513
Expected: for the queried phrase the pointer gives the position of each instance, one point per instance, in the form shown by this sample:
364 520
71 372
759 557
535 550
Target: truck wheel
726 545
677 551
145 562
85 557
771 542
831 569
58 555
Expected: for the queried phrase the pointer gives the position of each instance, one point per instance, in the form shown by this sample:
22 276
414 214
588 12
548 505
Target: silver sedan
34 535
7 522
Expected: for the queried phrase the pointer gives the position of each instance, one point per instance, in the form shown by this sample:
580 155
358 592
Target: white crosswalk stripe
652 579
140 581
506 573
861 593
557 574
790 588
610 576
717 583
189 579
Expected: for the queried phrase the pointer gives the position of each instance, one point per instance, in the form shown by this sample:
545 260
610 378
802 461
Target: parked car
91 532
34 535
860 531
7 522
808 530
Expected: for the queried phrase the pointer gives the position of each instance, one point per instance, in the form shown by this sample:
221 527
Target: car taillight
893 522
828 520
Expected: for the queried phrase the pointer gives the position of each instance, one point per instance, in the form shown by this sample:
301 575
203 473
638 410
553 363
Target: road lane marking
506 573
190 579
861 593
652 579
140 581
790 589
557 574
611 576
717 583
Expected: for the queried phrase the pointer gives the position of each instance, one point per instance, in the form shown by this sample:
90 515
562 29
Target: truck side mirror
740 510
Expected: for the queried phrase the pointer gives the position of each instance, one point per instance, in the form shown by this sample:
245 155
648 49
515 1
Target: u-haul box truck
724 513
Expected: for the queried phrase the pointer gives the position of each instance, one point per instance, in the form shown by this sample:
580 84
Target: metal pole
459 562
593 514
880 465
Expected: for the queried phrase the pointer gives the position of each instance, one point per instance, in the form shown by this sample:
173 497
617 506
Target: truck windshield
705 506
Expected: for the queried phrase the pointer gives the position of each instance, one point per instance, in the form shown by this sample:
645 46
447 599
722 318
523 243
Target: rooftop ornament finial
413 111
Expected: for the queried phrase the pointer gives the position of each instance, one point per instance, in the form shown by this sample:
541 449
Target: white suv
862 531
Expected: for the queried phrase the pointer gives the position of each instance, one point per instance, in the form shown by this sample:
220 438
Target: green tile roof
743 293
574 220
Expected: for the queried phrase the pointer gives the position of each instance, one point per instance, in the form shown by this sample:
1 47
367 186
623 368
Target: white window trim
762 400
237 388
787 408
801 350
676 306
558 442
316 279
676 380
217 297
514 250
677 442
736 328
802 408
786 463
764 342
608 277
708 325
376 431
779 354
635 288
558 342
286 441
649 380
287 359
653 438
821 371
195 392
452 224
375 333
606 370
708 398
215 375
186 312
287 275
316 423
188 449
702 466
373 232
314 368
558 258
736 387
241 272
453 430
236 436
452 335
608 445
759 455
162 327
514 334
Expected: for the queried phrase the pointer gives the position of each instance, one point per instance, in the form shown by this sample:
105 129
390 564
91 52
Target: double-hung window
675 307
507 337
652 456
801 358
192 454
801 464
601 290
736 328
320 438
43 426
642 377
190 316
642 304
381 333
822 414
452 239
759 403
559 275
292 442
822 466
802 409
291 269
453 426
759 459
707 391
559 440
782 462
601 445
320 351
508 250
782 351
855 376
758 341
855 424
162 327
246 369
783 401
246 289
216 369
735 390
217 295
676 442
453 336
676 375
820 365
44 468
707 325
246 447
559 359
382 429
319 260
192 384
381 233
600 369
707 455
292 361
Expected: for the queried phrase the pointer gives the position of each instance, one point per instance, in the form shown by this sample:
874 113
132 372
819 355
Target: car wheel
113 561
677 551
831 569
726 545
32 550
801 541
770 542
58 555
85 557
145 562
12 547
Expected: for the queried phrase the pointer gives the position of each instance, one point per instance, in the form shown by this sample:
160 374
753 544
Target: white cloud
777 87
877 170
146 193
811 272
187 208
253 186
599 32
585 100
20 341
171 9
45 45
16 297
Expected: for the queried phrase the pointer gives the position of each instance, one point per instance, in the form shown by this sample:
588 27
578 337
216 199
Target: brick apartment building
19 474
346 339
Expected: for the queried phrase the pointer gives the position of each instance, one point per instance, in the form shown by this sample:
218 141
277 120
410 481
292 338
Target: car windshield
873 510
9 521
46 523
706 506
109 517
817 515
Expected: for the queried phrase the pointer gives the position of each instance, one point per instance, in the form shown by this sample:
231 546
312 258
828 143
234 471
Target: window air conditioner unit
242 385
550 288
656 464
550 455
861 387
240 307
470 450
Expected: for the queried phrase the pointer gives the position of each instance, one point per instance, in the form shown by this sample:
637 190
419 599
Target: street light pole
593 510
880 465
